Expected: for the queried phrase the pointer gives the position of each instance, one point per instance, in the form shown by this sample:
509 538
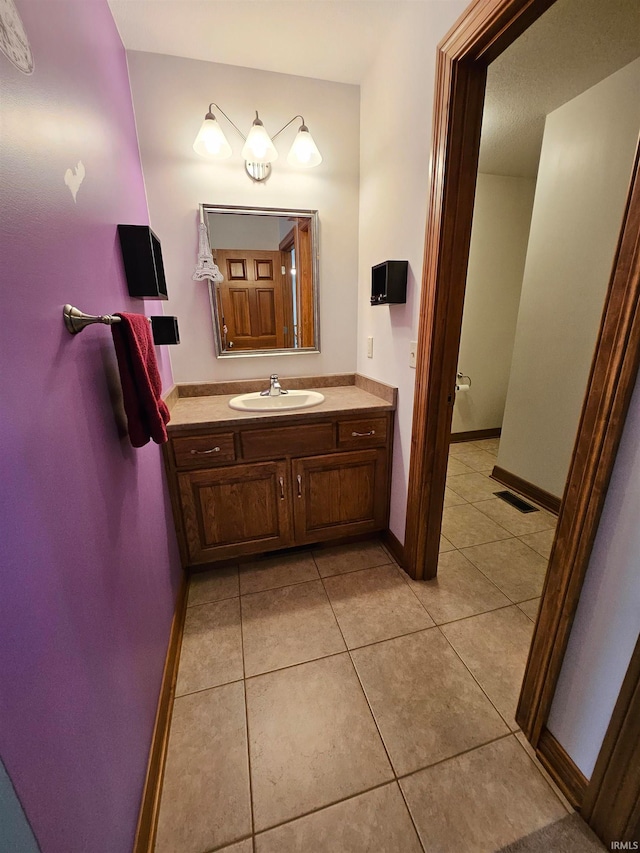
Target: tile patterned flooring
327 703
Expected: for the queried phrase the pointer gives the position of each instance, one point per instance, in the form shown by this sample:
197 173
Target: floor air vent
515 501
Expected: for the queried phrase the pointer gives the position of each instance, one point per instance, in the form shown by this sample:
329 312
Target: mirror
267 301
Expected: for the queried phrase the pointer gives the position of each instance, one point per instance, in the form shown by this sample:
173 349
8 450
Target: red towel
146 411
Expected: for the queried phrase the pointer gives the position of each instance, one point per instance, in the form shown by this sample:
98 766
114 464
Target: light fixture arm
237 129
212 104
288 123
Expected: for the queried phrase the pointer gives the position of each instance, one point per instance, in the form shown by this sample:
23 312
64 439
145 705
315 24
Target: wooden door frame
285 247
300 238
483 32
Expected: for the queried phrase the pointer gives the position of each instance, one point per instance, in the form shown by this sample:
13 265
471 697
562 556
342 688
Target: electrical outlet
370 347
413 350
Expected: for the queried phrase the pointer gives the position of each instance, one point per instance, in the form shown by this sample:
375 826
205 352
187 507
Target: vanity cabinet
247 490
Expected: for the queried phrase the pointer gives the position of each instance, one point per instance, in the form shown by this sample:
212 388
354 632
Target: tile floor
326 703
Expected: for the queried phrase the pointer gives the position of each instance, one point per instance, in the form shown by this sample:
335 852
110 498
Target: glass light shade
259 148
304 151
211 141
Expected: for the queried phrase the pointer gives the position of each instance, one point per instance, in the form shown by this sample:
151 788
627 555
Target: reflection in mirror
267 301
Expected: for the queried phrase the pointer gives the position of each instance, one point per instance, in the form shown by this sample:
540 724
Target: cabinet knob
203 452
363 434
281 481
299 479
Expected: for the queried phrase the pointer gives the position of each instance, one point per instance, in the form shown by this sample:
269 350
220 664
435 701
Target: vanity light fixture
258 151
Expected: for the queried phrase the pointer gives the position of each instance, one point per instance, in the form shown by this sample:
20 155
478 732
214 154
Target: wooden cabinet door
339 494
238 510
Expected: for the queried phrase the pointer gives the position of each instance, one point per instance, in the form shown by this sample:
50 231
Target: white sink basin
292 400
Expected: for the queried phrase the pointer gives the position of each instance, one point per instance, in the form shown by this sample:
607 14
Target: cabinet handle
281 481
363 434
299 479
203 452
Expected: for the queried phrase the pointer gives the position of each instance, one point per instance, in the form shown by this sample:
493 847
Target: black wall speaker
389 282
165 330
142 257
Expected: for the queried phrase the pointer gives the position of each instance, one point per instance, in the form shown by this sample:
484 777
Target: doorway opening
558 138
480 37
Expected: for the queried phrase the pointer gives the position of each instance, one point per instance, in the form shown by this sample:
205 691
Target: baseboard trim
148 817
475 435
394 545
564 772
534 493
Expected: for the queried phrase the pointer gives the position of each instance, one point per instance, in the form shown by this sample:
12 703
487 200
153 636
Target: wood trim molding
148 817
562 769
475 435
449 225
527 489
394 546
611 804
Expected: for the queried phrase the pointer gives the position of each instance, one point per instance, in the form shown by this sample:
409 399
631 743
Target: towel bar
76 320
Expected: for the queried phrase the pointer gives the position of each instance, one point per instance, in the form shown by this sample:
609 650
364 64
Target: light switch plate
370 347
413 349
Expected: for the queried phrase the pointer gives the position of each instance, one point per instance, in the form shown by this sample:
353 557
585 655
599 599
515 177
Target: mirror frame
312 215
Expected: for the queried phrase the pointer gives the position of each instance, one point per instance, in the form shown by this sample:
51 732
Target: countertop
214 411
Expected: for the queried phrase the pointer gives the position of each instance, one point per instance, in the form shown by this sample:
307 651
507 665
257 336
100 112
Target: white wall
607 621
585 165
171 96
395 121
236 231
501 221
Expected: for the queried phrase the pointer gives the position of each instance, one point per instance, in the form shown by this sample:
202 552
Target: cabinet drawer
202 451
364 432
287 441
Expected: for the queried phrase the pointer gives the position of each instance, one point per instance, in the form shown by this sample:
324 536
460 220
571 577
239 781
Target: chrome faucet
274 389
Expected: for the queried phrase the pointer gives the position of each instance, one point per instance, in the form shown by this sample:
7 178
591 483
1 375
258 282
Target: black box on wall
165 330
389 282
142 257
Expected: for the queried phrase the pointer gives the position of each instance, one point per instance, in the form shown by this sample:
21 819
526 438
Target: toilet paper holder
461 385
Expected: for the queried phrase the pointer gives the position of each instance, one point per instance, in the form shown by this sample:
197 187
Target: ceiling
327 39
570 48
573 46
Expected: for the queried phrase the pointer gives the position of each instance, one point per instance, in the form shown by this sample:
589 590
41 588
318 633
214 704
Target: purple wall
89 565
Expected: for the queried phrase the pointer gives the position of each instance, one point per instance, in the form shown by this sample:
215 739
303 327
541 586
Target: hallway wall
583 178
88 555
501 221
